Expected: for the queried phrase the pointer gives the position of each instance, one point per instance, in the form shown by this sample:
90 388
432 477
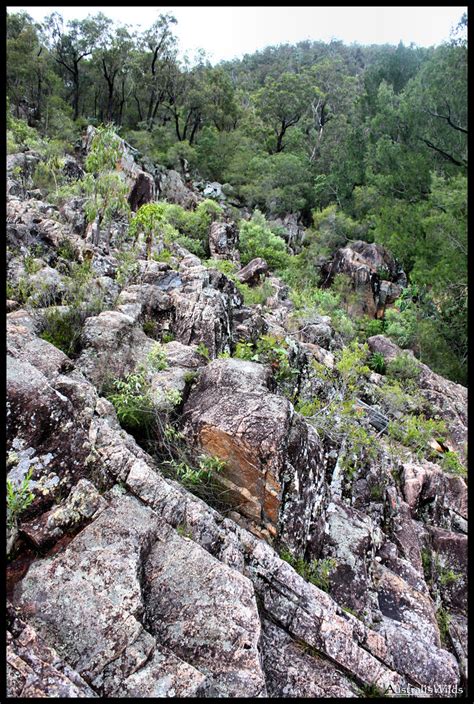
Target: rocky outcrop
310 577
224 241
273 460
194 602
375 275
173 189
253 271
203 307
445 398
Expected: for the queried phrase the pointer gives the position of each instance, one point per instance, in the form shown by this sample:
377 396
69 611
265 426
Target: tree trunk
107 237
76 93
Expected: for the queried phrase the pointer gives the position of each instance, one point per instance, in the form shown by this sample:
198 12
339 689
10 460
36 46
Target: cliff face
316 561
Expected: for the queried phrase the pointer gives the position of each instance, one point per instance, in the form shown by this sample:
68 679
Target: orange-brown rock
273 459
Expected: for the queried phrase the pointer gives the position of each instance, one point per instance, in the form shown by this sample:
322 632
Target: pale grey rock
206 613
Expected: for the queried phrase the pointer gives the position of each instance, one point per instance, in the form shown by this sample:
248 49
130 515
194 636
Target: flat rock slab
206 613
292 670
85 601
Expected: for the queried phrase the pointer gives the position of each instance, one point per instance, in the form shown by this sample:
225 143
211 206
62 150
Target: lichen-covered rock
86 601
144 300
203 307
253 271
224 240
206 613
446 398
41 420
112 346
273 459
367 264
174 190
83 503
291 670
35 670
351 541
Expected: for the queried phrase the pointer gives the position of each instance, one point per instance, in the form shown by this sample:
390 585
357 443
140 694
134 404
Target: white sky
228 32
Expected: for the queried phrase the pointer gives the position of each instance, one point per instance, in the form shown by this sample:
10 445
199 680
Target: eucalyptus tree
70 44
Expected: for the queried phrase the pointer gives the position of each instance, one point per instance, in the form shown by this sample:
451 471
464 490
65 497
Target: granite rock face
273 460
374 273
282 573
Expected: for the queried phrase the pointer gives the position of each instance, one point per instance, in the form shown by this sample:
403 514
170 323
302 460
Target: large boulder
203 307
253 271
87 603
273 460
375 276
224 240
206 613
173 189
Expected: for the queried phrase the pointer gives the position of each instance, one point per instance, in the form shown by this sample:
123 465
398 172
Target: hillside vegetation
360 143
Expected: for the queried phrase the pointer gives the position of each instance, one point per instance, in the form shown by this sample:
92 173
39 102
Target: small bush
18 499
444 621
451 464
416 432
204 351
132 401
255 295
404 367
63 329
258 240
317 571
128 268
377 363
157 359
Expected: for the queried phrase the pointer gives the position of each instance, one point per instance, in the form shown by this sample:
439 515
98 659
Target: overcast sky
228 32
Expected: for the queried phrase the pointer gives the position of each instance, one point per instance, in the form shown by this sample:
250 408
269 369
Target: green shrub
173 396
204 350
317 571
395 400
367 327
156 359
444 621
18 498
404 367
63 329
416 432
128 268
167 336
258 240
65 250
132 401
447 576
451 464
377 363
255 295
151 328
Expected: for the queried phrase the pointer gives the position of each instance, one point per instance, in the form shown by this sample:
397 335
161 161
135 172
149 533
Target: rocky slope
298 575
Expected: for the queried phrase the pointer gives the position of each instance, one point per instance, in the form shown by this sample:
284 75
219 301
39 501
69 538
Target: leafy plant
317 571
451 464
404 367
447 576
416 432
18 498
204 350
444 621
156 359
377 363
132 401
173 396
63 329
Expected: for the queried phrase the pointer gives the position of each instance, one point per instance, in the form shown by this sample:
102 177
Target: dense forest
359 142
